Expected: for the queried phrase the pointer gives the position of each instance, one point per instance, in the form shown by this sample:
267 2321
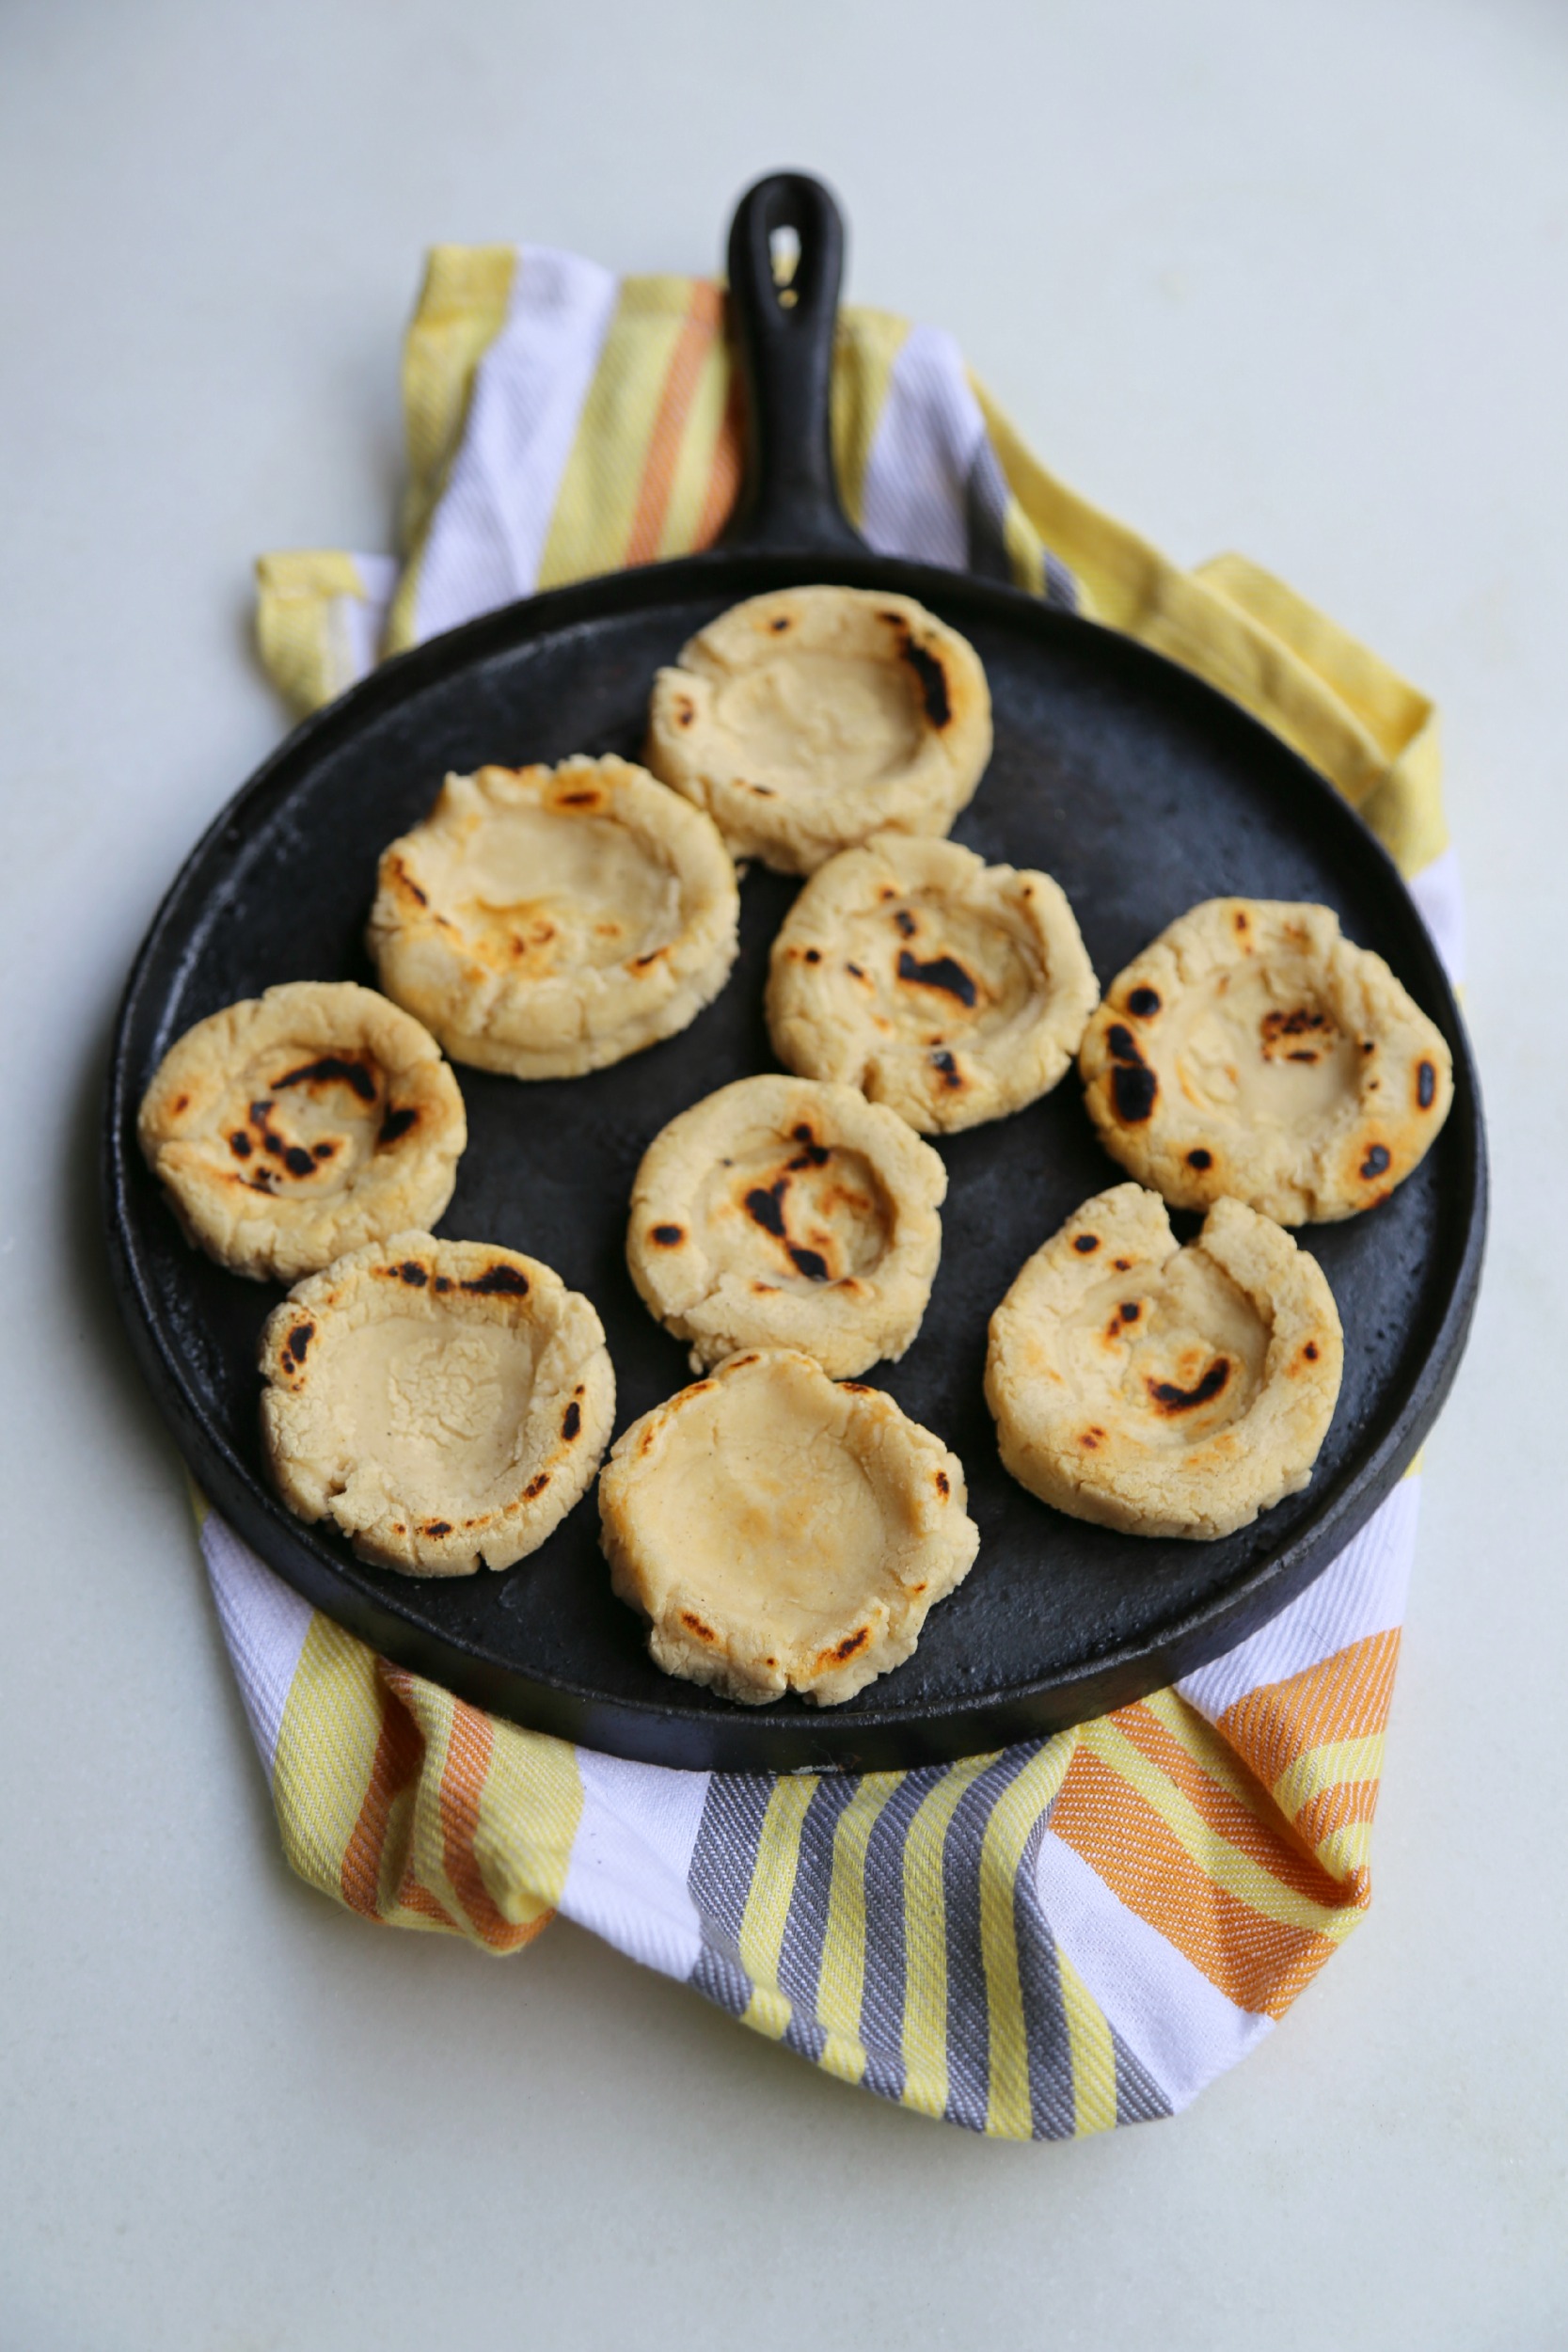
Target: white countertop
1288 277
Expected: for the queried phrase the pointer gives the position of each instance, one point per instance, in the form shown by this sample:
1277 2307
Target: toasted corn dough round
806 721
293 1126
445 1402
950 990
780 1532
1252 1050
1168 1391
780 1212
545 921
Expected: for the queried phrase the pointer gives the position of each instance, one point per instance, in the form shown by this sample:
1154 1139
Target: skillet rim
671 1732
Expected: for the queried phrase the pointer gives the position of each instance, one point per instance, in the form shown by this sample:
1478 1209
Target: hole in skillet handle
787 238
785 247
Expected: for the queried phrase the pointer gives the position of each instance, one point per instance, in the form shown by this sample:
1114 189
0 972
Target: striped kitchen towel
1050 1940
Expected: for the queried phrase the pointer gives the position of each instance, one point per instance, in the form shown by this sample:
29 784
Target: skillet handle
785 349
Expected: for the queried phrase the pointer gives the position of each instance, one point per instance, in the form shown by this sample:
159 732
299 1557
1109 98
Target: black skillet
1140 788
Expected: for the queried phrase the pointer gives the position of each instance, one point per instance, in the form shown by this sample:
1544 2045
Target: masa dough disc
780 1532
445 1402
1168 1391
950 990
780 1212
807 719
1250 1050
546 921
293 1126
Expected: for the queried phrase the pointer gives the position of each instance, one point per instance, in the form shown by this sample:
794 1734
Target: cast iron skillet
1139 788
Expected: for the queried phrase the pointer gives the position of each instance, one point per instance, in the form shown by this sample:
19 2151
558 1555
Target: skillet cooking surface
1142 791
1139 788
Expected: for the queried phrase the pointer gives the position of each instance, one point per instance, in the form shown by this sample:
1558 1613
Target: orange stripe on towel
1337 1808
697 332
1237 1823
723 480
469 1747
1346 1697
1259 1963
395 1766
